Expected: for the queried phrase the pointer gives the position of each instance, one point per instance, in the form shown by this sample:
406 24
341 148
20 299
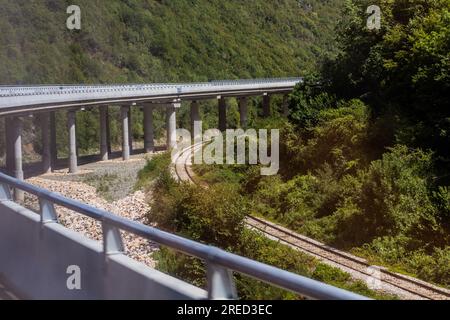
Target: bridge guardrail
220 264
12 91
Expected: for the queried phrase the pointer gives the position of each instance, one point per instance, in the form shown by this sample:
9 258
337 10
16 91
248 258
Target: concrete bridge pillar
9 145
104 153
53 146
222 114
266 105
149 144
46 143
125 133
243 110
130 130
195 116
171 120
71 123
108 134
17 142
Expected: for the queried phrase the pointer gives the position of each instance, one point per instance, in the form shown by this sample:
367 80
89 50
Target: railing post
48 212
112 240
5 192
221 284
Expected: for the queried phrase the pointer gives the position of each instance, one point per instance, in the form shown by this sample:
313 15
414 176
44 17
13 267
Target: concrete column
285 105
222 114
53 146
243 110
108 134
130 131
125 134
17 141
73 161
171 123
104 133
149 145
266 106
9 136
195 116
46 149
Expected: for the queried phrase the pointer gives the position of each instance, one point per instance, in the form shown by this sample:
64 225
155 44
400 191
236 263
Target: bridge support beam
222 114
17 143
171 120
46 143
243 110
149 144
71 123
195 116
104 153
266 105
125 133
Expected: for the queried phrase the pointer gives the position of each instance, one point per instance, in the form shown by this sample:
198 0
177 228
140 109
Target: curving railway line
382 279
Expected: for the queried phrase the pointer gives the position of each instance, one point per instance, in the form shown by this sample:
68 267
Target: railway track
380 278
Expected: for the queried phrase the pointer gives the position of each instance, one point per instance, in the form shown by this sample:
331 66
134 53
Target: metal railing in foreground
220 264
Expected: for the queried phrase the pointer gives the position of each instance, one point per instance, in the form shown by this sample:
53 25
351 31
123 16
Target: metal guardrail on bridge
220 264
24 100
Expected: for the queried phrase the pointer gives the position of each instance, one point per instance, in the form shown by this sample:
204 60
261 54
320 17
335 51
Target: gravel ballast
128 204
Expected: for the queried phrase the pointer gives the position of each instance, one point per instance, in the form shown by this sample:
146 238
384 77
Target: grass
102 183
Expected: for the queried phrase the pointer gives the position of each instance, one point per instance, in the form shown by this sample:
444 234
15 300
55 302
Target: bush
214 215
435 268
306 102
155 168
339 139
394 195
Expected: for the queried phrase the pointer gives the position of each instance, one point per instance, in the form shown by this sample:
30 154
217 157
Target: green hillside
133 41
154 41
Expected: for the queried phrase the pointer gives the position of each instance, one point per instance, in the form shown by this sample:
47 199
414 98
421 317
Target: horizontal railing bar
42 86
271 275
24 108
51 90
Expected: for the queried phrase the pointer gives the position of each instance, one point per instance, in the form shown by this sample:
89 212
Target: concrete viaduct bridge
35 250
16 102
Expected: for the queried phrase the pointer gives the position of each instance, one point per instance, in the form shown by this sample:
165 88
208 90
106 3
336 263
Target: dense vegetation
216 216
365 152
135 41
